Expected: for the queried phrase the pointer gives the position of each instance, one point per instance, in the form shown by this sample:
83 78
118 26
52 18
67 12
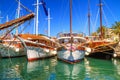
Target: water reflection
42 69
69 71
10 69
51 69
87 69
116 63
99 70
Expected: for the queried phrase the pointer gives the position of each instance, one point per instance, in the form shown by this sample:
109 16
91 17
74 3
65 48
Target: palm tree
94 34
103 30
116 29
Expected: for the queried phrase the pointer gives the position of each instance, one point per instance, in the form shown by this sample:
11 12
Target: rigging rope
110 11
25 27
24 7
11 30
96 18
106 21
91 21
14 38
8 48
61 18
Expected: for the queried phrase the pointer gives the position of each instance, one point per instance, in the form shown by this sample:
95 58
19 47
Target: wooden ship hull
71 53
105 50
36 53
38 47
12 49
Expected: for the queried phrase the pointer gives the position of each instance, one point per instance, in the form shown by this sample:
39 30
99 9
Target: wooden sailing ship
97 46
70 50
100 48
38 46
70 53
12 47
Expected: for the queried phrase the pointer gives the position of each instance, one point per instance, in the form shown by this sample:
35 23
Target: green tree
116 29
103 30
94 34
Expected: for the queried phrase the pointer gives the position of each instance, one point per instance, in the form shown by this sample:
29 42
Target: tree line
115 29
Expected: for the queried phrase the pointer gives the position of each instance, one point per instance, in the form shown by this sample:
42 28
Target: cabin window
75 40
61 41
66 40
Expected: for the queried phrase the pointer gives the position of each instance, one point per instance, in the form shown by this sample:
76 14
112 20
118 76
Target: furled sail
17 21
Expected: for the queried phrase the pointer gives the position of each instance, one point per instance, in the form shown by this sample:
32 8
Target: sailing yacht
100 48
70 49
12 47
38 46
97 46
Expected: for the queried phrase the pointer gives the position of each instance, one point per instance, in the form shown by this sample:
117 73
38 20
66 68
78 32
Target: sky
59 11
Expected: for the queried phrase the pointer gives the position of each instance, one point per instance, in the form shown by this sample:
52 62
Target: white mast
34 24
49 21
1 23
7 21
0 17
37 9
37 12
7 18
18 15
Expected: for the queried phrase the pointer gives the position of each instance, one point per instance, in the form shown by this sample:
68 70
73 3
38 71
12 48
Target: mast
49 18
18 15
0 17
100 4
34 24
71 18
89 16
7 21
37 9
7 18
71 22
37 12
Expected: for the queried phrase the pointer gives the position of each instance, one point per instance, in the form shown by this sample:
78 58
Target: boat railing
68 35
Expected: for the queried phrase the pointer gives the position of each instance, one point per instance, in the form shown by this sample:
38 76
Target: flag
44 7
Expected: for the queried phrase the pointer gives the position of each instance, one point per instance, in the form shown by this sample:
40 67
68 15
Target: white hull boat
71 52
38 47
11 49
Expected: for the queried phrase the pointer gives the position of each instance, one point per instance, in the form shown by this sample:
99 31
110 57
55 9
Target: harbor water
53 69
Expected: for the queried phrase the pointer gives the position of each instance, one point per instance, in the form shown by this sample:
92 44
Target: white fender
88 50
114 55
